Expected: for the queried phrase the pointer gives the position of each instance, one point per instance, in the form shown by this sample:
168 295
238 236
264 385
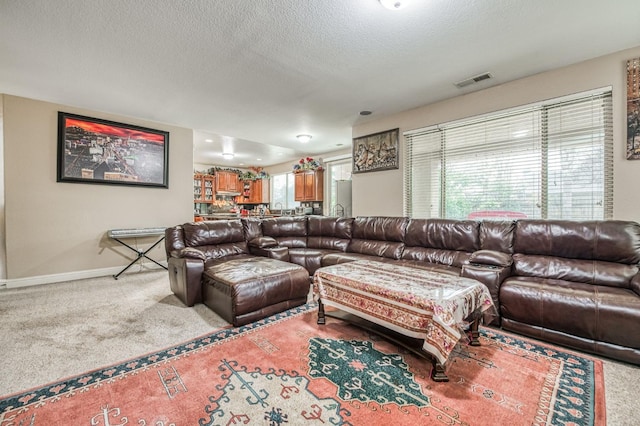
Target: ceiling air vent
472 80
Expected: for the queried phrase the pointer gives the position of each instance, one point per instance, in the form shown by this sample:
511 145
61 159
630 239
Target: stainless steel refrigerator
343 199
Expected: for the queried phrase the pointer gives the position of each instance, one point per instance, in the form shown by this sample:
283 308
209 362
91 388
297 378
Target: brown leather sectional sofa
572 283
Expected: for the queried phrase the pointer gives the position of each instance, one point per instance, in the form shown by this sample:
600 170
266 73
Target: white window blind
550 160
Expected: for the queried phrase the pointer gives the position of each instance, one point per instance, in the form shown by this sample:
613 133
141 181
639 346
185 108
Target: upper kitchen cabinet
203 188
228 182
259 191
309 185
255 191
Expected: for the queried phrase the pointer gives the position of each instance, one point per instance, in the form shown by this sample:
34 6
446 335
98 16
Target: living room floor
59 330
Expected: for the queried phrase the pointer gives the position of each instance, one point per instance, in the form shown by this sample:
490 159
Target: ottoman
248 289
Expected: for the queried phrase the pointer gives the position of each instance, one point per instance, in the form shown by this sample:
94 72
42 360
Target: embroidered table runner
415 302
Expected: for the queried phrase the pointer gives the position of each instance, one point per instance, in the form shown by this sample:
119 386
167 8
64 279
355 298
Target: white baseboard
77 275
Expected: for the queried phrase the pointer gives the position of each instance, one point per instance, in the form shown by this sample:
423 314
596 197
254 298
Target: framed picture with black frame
378 151
92 150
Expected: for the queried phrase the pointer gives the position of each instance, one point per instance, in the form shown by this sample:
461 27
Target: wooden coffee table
422 310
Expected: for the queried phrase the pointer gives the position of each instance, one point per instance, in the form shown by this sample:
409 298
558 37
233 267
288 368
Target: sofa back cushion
610 241
216 238
497 235
287 231
442 241
333 233
597 252
378 236
252 228
597 272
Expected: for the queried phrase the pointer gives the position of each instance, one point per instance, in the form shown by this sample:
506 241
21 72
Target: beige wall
380 193
58 230
287 166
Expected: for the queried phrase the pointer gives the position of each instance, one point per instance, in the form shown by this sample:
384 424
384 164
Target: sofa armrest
491 276
188 252
278 253
263 242
185 279
635 283
491 258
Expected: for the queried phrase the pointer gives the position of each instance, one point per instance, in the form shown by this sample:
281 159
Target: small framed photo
91 150
378 151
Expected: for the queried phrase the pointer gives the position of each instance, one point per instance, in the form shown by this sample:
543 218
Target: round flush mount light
208 140
394 4
303 138
227 156
365 112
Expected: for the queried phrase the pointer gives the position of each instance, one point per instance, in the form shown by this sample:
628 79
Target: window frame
425 188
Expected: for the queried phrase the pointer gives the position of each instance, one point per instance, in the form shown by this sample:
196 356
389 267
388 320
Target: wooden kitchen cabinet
309 186
254 192
203 188
259 191
227 181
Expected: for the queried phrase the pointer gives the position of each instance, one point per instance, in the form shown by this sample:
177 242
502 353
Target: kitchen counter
220 216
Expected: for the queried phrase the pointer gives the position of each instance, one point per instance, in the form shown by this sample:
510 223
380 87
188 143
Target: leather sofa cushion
376 248
309 258
337 227
213 232
491 257
330 233
457 235
190 252
223 250
635 284
497 235
434 267
173 239
263 242
430 255
378 236
578 270
252 227
233 271
287 231
589 311
335 258
611 241
387 229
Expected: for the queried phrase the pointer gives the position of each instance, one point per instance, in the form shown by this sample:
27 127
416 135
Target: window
283 192
550 160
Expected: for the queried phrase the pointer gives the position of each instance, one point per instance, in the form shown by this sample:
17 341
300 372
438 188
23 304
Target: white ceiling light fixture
303 138
394 4
227 156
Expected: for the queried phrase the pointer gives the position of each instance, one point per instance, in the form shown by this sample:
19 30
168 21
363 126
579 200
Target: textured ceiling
249 73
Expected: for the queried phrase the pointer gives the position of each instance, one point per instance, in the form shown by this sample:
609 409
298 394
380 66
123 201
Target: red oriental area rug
286 370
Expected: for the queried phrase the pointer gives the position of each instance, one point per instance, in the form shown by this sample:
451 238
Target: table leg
321 318
140 254
475 334
438 374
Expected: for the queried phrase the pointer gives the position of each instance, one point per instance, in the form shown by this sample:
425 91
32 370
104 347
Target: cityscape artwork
633 109
91 150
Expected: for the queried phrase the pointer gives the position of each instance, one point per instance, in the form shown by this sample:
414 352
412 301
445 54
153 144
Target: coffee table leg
321 319
438 374
475 334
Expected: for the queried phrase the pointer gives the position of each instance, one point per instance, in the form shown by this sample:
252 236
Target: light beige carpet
59 330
